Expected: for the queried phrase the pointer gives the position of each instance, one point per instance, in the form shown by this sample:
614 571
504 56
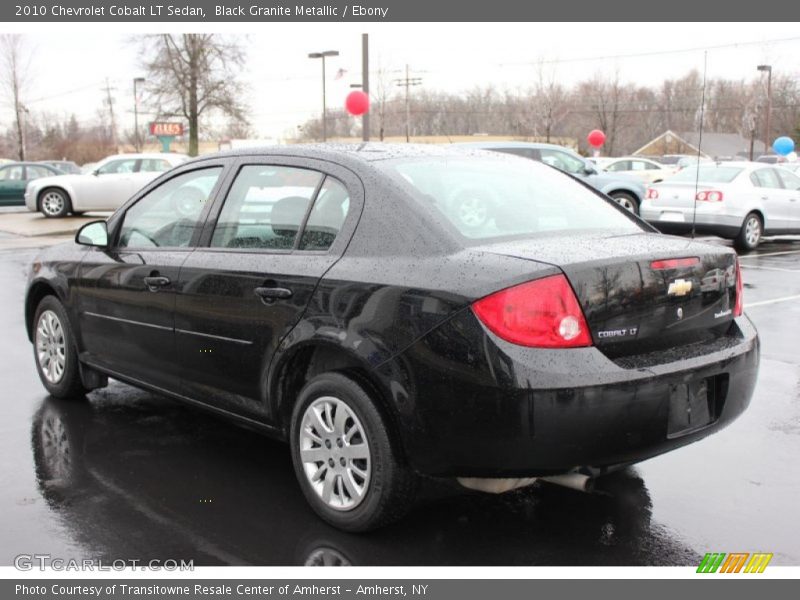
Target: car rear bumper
516 412
723 225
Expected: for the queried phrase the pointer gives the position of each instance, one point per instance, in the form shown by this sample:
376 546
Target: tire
749 235
627 201
54 351
381 487
54 203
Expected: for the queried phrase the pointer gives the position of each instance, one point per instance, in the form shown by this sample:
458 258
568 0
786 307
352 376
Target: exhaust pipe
575 481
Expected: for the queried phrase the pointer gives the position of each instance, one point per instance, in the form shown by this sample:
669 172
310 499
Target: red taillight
543 314
652 194
674 263
709 196
738 306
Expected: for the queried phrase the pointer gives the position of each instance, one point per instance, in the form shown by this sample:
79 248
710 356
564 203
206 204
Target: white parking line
771 268
769 254
773 301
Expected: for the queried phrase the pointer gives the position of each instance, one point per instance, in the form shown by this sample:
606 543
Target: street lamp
768 69
323 56
136 142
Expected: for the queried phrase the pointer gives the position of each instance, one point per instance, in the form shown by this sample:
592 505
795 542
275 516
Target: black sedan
345 299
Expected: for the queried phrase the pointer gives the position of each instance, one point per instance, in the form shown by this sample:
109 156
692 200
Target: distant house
714 145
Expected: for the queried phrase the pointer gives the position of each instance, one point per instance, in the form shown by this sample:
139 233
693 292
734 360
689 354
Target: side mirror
95 172
589 169
93 234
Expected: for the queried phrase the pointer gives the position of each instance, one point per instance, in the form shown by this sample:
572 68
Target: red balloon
357 103
596 138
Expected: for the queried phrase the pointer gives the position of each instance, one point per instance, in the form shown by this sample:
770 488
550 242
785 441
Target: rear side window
265 207
492 198
327 216
765 178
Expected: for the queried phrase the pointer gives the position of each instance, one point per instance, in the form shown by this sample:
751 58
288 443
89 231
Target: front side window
168 216
265 207
563 161
487 198
790 180
622 165
154 165
125 165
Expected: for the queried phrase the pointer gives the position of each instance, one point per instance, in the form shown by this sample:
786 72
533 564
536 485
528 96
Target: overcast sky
70 63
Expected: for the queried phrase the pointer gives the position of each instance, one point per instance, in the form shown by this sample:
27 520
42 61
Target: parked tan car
643 169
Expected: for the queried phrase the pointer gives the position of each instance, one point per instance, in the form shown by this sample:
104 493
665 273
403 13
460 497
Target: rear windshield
491 198
711 174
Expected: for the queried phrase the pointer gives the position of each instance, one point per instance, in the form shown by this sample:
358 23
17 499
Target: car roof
510 144
30 163
363 153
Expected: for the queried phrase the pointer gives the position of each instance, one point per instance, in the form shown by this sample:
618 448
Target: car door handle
155 283
270 294
765 197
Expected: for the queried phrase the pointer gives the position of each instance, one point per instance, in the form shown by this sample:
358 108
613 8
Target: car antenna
699 142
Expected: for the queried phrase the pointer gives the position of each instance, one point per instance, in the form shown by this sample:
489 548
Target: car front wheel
54 203
345 458
627 201
54 350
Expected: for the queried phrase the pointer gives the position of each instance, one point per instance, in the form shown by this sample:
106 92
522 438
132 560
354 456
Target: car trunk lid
640 292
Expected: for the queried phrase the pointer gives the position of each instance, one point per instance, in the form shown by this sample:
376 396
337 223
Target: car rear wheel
345 458
750 234
627 201
54 350
54 203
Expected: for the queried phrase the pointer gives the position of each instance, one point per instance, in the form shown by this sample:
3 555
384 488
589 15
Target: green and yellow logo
735 562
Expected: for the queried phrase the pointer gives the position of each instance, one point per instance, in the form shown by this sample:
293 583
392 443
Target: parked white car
643 169
742 201
112 181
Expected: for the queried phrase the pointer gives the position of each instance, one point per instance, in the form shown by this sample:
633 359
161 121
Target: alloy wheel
335 453
752 231
53 203
51 346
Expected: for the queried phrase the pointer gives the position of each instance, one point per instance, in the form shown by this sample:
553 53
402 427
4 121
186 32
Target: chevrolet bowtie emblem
679 287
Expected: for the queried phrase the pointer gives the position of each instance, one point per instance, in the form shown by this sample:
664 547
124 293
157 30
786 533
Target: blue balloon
783 145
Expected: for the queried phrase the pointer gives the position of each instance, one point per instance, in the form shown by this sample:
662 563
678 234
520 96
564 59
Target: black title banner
147 11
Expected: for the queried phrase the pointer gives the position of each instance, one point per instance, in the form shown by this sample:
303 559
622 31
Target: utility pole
365 83
407 82
767 124
110 102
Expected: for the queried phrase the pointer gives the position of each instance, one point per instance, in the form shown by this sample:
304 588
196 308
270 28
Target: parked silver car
742 201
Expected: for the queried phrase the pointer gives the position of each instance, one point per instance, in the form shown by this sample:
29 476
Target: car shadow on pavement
134 476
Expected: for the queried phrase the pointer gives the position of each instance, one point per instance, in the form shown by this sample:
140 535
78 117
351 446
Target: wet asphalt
131 475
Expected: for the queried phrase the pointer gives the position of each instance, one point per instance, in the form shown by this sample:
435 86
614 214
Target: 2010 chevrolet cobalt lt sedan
401 311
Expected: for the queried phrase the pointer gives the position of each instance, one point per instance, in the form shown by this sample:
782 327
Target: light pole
768 69
136 142
323 56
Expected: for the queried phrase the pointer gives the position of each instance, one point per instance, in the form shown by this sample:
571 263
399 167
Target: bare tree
15 68
192 75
